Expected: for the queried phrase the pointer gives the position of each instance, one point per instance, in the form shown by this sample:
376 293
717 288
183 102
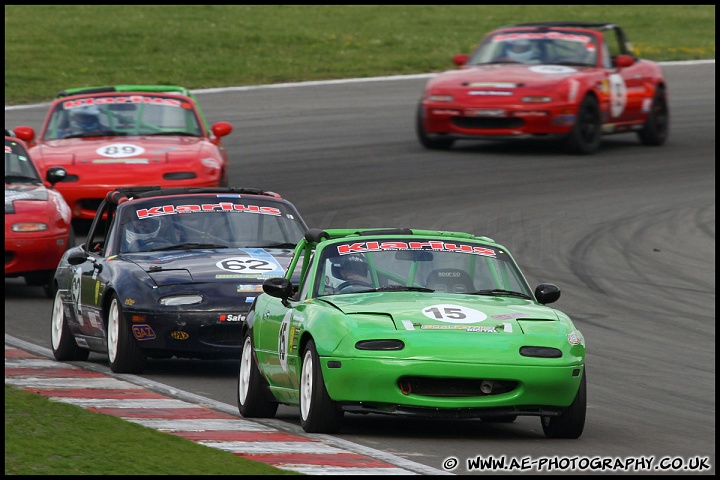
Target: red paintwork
567 86
35 252
156 156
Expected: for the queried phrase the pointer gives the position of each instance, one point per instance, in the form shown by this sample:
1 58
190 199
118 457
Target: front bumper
26 254
387 385
498 121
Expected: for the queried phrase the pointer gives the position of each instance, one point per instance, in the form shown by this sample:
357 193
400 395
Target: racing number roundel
120 150
247 265
453 314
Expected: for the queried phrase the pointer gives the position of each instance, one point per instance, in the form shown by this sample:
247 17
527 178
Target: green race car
410 322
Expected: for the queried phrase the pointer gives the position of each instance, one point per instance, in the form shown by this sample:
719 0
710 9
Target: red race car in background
574 81
109 137
38 228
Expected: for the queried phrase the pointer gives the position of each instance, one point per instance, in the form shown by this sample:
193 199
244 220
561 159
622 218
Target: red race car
109 137
573 81
38 227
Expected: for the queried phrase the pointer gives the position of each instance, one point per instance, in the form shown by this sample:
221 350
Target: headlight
540 352
29 227
380 345
175 300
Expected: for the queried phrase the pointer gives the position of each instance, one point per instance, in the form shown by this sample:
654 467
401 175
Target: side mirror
77 257
25 133
547 293
55 175
622 61
460 59
221 129
279 288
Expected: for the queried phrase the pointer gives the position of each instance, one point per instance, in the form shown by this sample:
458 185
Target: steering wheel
352 283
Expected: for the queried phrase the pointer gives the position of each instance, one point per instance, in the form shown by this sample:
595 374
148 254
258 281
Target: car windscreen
437 265
221 221
122 115
538 47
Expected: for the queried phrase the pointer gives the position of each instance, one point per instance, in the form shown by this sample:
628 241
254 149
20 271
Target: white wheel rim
113 330
306 383
245 366
57 321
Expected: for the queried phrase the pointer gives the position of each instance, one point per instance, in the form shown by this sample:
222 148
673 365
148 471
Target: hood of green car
441 311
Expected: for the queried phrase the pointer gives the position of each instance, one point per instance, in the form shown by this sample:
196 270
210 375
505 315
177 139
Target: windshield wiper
499 292
21 179
273 245
173 133
401 288
94 133
188 246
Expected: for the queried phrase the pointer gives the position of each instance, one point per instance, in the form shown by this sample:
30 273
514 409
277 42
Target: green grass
50 48
52 438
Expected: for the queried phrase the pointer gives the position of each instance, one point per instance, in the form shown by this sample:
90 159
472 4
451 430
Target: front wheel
571 422
124 352
657 126
64 347
586 135
254 399
318 412
427 141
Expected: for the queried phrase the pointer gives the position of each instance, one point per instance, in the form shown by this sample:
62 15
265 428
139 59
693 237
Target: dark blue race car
170 272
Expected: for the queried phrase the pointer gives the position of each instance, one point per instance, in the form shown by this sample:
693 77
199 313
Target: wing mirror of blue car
547 293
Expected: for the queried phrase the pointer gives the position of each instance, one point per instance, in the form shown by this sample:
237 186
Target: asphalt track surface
628 234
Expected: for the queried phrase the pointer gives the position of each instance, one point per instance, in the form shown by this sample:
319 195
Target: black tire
571 422
62 340
254 397
318 412
124 353
657 126
586 135
432 143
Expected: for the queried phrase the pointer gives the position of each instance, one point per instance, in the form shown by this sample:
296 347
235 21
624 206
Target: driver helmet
345 264
521 51
86 118
142 229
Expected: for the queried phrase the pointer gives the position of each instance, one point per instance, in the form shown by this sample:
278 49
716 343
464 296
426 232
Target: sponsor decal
179 335
206 207
552 69
143 332
128 99
484 112
568 37
436 245
491 93
231 317
492 85
125 161
249 288
466 328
